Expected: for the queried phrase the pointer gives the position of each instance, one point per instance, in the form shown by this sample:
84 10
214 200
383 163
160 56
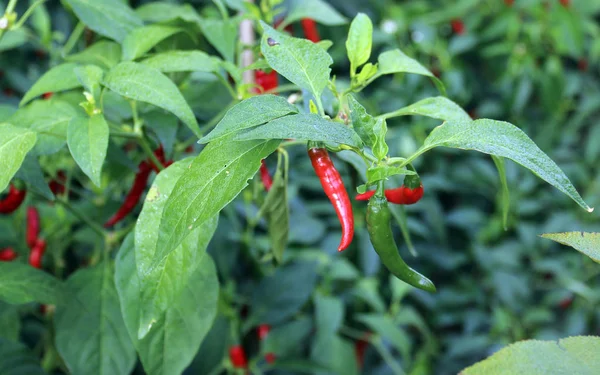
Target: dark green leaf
222 34
17 359
32 174
182 61
303 126
317 10
90 332
505 198
104 53
277 210
10 322
20 283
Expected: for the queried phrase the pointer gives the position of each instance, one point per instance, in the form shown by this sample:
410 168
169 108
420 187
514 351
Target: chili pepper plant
156 164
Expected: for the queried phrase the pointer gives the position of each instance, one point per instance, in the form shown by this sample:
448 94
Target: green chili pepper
382 238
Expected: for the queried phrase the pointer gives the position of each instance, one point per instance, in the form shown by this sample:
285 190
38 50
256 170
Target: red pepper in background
336 192
509 2
13 200
7 255
33 226
57 185
134 195
265 176
8 92
582 65
47 95
565 3
565 303
360 346
265 81
263 332
458 26
238 357
37 252
160 155
310 30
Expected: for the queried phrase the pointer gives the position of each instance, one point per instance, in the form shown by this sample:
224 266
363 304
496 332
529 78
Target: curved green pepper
382 238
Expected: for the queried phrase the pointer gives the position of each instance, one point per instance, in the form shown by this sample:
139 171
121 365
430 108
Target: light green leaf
250 113
585 243
395 61
174 339
104 53
161 11
13 39
360 39
146 84
88 141
435 107
299 60
17 359
213 180
162 284
49 119
182 61
504 140
60 78
317 10
20 283
90 332
277 210
15 143
573 355
110 18
362 122
499 162
90 77
143 39
222 34
303 126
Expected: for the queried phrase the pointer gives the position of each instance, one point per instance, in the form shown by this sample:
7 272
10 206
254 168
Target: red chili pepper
37 252
13 200
33 226
47 95
265 81
310 30
270 357
134 195
360 346
509 2
7 255
238 357
458 26
57 185
565 3
160 155
263 331
565 303
400 195
336 192
265 176
582 65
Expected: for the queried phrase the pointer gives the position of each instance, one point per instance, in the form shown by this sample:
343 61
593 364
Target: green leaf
285 339
20 283
10 322
17 359
15 143
13 39
436 107
586 243
250 113
277 210
60 78
146 84
386 327
110 18
329 314
104 53
383 172
174 339
362 122
504 140
499 162
90 77
281 295
333 353
360 39
182 61
380 148
213 180
144 38
162 11
88 142
395 61
299 60
303 126
162 284
317 10
31 173
90 332
222 34
49 119
40 21
572 355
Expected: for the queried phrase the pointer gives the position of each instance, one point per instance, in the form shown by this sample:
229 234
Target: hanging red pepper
47 95
409 193
37 252
33 226
134 195
265 176
7 255
458 26
310 30
336 192
13 200
57 185
160 155
265 81
237 356
263 332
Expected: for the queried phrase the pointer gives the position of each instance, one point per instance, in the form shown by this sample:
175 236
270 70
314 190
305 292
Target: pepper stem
412 181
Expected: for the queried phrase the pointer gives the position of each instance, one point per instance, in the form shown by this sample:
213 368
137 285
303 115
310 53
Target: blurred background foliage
534 63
